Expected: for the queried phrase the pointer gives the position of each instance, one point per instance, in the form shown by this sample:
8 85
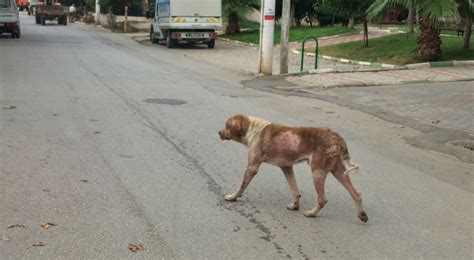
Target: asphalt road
94 145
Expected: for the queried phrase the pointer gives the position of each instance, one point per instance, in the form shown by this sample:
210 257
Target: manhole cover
165 101
466 144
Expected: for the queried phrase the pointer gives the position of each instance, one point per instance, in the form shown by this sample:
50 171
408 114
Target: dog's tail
346 159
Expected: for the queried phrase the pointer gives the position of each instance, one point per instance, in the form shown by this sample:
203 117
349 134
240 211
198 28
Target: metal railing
316 51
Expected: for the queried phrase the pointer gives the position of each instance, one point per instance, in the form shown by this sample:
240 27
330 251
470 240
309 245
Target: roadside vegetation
398 49
297 34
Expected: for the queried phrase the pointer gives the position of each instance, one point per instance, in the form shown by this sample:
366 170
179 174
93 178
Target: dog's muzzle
223 136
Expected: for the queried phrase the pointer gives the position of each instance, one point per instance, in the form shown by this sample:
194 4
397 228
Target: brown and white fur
283 146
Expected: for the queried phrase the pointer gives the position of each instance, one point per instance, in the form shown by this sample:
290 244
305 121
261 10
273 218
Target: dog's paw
293 206
363 216
310 213
231 197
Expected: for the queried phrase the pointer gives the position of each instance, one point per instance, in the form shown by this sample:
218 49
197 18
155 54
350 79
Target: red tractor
23 4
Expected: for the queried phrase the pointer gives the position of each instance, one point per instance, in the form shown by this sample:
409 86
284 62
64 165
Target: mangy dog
282 146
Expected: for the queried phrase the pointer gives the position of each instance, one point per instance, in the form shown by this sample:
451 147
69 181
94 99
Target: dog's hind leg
290 177
250 172
344 179
319 178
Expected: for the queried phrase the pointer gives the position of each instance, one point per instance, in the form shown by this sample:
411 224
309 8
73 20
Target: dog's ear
243 125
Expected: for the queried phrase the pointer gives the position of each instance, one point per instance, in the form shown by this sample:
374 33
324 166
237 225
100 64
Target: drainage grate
165 101
466 144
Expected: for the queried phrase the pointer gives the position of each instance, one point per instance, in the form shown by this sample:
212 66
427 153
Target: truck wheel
43 20
153 40
60 20
211 44
170 43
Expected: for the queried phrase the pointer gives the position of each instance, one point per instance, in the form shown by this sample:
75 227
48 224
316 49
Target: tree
430 12
411 16
235 10
466 10
352 9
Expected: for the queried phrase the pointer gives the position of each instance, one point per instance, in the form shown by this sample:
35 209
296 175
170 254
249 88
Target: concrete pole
97 12
285 34
267 37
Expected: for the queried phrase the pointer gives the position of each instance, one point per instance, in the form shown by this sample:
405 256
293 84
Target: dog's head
235 129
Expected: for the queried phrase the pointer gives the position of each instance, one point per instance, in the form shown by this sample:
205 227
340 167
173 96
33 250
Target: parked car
9 18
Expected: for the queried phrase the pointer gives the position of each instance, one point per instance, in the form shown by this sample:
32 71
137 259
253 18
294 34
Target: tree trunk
467 33
233 25
429 43
292 14
366 32
351 22
411 17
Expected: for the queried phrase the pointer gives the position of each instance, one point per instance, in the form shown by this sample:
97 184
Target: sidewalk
326 41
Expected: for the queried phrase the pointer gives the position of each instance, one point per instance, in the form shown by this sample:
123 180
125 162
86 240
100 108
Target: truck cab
188 21
9 18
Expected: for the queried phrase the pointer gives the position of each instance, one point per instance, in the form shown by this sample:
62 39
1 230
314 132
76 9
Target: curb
382 66
355 62
439 64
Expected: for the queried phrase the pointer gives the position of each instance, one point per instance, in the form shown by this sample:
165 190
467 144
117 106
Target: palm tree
234 10
430 12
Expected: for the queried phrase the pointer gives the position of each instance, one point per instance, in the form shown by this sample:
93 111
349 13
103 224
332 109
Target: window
5 3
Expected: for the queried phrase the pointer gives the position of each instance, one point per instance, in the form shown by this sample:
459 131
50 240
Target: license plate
195 35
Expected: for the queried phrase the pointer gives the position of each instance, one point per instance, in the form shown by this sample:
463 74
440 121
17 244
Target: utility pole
267 30
285 33
97 12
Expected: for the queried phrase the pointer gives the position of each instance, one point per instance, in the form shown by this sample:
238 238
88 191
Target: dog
283 146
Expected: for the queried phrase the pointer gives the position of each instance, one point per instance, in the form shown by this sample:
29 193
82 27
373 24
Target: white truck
192 21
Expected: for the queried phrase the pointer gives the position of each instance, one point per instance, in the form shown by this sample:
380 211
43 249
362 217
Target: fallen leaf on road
435 121
39 243
9 107
17 225
4 238
48 225
134 247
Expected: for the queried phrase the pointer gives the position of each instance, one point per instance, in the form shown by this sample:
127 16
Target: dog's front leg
250 172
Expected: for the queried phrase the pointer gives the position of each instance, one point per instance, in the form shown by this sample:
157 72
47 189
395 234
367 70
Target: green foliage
117 6
382 49
340 9
240 6
429 10
297 34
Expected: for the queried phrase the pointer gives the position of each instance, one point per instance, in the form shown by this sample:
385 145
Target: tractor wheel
65 20
60 20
